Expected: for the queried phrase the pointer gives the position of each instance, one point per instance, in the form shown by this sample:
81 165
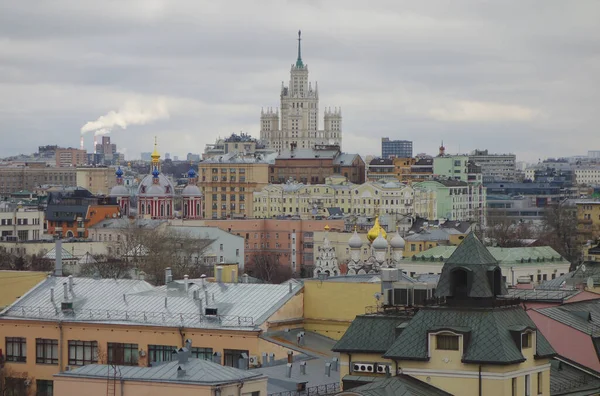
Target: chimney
142 275
265 361
290 286
180 372
234 278
219 274
168 275
290 356
165 302
71 283
52 294
185 280
217 357
206 296
334 363
245 278
81 143
188 344
182 355
303 368
203 281
243 361
65 291
58 262
288 370
328 369
271 359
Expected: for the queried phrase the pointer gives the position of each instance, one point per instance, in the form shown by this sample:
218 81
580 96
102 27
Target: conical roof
471 251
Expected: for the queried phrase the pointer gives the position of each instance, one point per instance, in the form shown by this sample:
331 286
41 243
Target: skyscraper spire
299 63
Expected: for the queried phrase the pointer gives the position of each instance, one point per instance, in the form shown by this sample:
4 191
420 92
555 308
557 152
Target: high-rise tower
297 121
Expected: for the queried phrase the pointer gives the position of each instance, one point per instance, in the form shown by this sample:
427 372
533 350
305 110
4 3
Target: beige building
368 199
21 223
66 157
32 175
98 181
228 183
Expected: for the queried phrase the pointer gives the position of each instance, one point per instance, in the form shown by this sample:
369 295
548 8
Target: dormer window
525 340
446 342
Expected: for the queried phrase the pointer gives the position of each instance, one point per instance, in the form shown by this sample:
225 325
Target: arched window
162 210
143 208
185 210
459 286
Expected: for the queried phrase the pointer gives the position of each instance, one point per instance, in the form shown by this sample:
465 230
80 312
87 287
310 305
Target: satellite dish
590 283
583 267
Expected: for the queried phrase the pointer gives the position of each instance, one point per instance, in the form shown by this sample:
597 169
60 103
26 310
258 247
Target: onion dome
119 172
355 242
375 231
380 243
191 190
119 191
155 172
191 173
397 241
326 227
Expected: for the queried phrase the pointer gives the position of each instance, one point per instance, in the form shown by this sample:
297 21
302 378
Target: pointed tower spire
299 63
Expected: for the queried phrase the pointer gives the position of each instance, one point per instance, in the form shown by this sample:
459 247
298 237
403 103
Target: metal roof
570 379
582 315
197 371
66 255
123 301
556 283
542 294
401 384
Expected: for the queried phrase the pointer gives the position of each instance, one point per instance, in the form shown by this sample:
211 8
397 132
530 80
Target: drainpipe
60 347
122 386
182 336
480 384
240 385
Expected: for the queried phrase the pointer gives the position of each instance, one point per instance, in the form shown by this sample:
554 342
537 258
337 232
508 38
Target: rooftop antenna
299 60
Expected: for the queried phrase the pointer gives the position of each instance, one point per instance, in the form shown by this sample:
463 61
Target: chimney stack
52 294
265 360
288 370
65 291
142 275
182 355
168 275
71 283
290 356
234 277
334 363
58 262
328 369
219 274
290 286
245 278
180 372
303 368
187 286
271 359
217 357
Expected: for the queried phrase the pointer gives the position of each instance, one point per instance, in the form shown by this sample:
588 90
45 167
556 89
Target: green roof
471 252
505 256
370 333
487 334
398 385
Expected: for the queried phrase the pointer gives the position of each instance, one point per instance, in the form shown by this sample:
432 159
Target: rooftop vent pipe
71 283
219 274
168 275
185 280
58 261
303 368
65 291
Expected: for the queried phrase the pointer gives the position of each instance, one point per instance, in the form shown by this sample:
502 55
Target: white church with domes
156 194
384 254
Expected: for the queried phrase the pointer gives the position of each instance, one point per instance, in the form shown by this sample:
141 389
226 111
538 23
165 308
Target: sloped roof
569 379
370 333
471 252
197 371
556 283
432 234
401 385
87 258
65 255
582 315
489 338
124 301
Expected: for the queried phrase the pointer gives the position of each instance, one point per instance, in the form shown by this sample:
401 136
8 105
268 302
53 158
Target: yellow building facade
588 221
98 181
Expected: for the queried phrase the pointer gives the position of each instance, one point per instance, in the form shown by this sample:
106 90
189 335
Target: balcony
585 221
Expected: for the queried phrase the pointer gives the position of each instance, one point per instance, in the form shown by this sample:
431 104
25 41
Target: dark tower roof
471 272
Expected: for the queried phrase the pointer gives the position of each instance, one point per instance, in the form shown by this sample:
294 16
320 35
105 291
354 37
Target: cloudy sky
511 76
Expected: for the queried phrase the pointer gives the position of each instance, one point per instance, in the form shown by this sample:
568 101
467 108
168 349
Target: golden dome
375 231
326 227
155 155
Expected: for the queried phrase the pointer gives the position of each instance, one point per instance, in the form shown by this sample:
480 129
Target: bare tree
505 232
560 231
15 383
107 267
266 266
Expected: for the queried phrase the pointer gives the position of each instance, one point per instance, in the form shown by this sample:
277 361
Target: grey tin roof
583 315
401 385
568 379
240 306
198 371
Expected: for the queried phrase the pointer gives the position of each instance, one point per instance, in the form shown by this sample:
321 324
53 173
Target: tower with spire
121 193
297 120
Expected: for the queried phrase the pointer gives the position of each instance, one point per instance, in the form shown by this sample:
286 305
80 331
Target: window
16 349
232 357
124 354
527 385
46 351
15 386
540 383
202 353
514 387
82 352
44 388
525 340
447 342
160 353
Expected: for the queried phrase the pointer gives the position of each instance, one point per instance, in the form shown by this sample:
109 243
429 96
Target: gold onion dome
375 231
155 155
326 227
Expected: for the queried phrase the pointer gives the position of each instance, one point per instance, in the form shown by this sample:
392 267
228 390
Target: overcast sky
511 76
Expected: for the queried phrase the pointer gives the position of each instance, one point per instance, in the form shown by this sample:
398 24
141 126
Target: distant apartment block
396 148
495 167
66 157
29 176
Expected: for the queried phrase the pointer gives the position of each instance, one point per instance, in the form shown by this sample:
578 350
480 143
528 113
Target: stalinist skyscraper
299 114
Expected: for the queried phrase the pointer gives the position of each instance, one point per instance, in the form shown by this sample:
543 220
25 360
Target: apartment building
588 220
457 200
98 180
69 157
228 183
21 223
29 176
495 167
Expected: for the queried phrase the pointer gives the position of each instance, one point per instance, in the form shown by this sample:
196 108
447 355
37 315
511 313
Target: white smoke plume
132 113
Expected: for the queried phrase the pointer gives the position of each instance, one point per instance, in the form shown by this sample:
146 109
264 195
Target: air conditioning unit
27 382
363 367
253 361
381 368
